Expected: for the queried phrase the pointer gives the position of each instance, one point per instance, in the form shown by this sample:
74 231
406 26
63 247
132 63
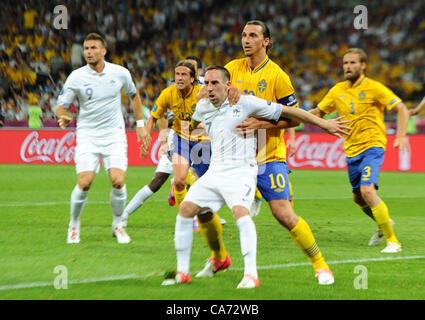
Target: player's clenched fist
64 120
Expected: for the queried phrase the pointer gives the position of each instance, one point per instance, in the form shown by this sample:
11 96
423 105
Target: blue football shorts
363 169
197 153
273 181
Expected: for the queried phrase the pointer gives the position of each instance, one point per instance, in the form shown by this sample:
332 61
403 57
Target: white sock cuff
245 219
184 220
147 190
78 193
119 192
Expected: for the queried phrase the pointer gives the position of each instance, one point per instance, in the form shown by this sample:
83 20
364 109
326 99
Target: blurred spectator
34 114
149 37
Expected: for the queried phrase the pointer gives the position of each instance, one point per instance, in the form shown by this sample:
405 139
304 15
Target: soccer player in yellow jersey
187 147
363 101
258 75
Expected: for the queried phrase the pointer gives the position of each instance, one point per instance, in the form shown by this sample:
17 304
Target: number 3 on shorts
279 180
366 174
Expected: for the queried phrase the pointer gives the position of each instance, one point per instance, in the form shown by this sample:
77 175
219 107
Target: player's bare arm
334 127
419 108
290 143
63 118
259 123
402 119
141 132
317 112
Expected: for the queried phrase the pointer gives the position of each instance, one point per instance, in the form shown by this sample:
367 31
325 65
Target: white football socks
118 198
248 240
183 238
137 201
78 201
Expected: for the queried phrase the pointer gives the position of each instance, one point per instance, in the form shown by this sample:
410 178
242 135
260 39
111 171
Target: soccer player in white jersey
233 159
100 130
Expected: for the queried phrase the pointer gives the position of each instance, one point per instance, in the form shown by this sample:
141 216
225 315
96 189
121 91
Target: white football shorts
90 151
214 189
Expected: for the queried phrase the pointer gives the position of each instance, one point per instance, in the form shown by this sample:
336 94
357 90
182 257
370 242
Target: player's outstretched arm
419 108
259 123
402 120
334 127
63 118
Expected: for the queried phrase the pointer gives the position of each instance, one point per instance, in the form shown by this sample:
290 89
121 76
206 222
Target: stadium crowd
150 36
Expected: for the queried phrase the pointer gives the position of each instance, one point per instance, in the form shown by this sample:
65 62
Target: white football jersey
230 148
99 96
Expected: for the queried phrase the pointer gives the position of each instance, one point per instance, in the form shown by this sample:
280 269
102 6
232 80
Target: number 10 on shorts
278 180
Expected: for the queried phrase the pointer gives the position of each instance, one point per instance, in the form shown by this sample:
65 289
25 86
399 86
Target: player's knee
284 213
187 209
367 193
179 183
84 182
118 182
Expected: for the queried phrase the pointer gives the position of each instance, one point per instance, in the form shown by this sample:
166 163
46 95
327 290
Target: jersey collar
188 93
104 71
358 81
260 66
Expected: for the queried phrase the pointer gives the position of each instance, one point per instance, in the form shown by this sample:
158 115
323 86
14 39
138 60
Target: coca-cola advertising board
313 150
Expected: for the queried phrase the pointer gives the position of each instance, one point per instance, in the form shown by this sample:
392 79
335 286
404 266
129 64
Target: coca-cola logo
48 150
318 154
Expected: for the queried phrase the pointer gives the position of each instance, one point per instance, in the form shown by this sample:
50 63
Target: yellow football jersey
182 107
267 81
363 104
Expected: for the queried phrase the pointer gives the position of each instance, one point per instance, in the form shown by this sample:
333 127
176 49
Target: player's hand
233 94
64 120
413 112
163 150
401 142
203 93
146 143
337 128
290 147
144 151
252 124
143 135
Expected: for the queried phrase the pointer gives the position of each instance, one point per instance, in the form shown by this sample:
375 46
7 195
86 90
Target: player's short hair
224 72
362 54
188 65
266 32
198 61
96 36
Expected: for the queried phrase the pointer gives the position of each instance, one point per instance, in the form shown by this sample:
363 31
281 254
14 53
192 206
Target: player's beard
353 76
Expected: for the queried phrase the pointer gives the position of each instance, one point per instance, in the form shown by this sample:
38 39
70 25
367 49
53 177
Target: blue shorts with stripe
198 154
273 181
363 169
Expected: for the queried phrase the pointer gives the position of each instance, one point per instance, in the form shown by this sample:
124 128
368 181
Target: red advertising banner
313 150
58 147
323 151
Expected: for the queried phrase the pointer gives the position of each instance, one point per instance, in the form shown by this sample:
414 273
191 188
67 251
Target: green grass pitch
34 206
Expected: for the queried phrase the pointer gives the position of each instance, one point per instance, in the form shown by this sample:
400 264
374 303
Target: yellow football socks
179 196
382 218
301 234
258 195
190 179
212 233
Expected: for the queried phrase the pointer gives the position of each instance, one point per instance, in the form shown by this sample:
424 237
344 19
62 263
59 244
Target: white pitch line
55 203
152 274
